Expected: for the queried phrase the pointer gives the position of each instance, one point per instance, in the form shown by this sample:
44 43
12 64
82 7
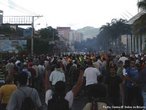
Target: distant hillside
89 32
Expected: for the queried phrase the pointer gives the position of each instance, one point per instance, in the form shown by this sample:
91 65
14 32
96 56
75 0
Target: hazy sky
73 13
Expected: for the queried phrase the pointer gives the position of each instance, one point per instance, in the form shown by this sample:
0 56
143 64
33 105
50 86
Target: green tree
49 33
43 43
111 32
7 30
105 36
40 46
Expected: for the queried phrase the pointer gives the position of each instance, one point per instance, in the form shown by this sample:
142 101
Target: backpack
27 103
58 103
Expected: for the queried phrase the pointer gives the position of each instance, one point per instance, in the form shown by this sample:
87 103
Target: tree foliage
7 30
109 36
49 33
42 44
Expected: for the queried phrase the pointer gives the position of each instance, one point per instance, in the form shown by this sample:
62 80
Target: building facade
69 37
136 43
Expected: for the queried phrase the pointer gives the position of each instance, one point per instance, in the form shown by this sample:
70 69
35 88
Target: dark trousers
90 91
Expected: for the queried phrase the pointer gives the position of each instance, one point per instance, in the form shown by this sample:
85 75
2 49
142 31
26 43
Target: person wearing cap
18 96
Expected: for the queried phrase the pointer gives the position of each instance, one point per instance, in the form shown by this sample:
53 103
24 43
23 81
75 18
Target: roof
134 18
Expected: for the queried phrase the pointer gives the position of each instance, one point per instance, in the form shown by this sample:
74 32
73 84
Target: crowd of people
119 80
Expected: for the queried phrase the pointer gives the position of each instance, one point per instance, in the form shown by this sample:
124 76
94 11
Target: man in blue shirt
132 89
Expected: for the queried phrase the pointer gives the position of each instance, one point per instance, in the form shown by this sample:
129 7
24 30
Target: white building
75 36
136 43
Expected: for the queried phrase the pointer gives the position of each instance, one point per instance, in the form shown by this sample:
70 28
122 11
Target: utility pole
32 35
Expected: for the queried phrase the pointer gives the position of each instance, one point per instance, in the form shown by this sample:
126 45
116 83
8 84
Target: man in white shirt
90 76
123 58
69 96
57 75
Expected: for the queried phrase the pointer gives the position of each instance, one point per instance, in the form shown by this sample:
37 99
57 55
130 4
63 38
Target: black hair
123 54
60 88
90 63
127 64
58 64
22 78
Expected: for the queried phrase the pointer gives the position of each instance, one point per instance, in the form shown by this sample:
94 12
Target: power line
123 16
13 6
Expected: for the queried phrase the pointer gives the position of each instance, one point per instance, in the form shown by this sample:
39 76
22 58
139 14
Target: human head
30 64
123 54
120 63
58 64
127 63
60 88
132 63
112 69
90 62
22 78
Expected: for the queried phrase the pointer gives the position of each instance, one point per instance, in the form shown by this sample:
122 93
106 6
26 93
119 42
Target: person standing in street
5 91
90 78
56 75
21 93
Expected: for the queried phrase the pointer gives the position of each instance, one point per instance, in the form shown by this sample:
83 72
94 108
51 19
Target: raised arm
79 83
47 74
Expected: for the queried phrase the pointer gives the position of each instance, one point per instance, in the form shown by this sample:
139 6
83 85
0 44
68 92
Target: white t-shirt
56 76
91 74
69 97
123 59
